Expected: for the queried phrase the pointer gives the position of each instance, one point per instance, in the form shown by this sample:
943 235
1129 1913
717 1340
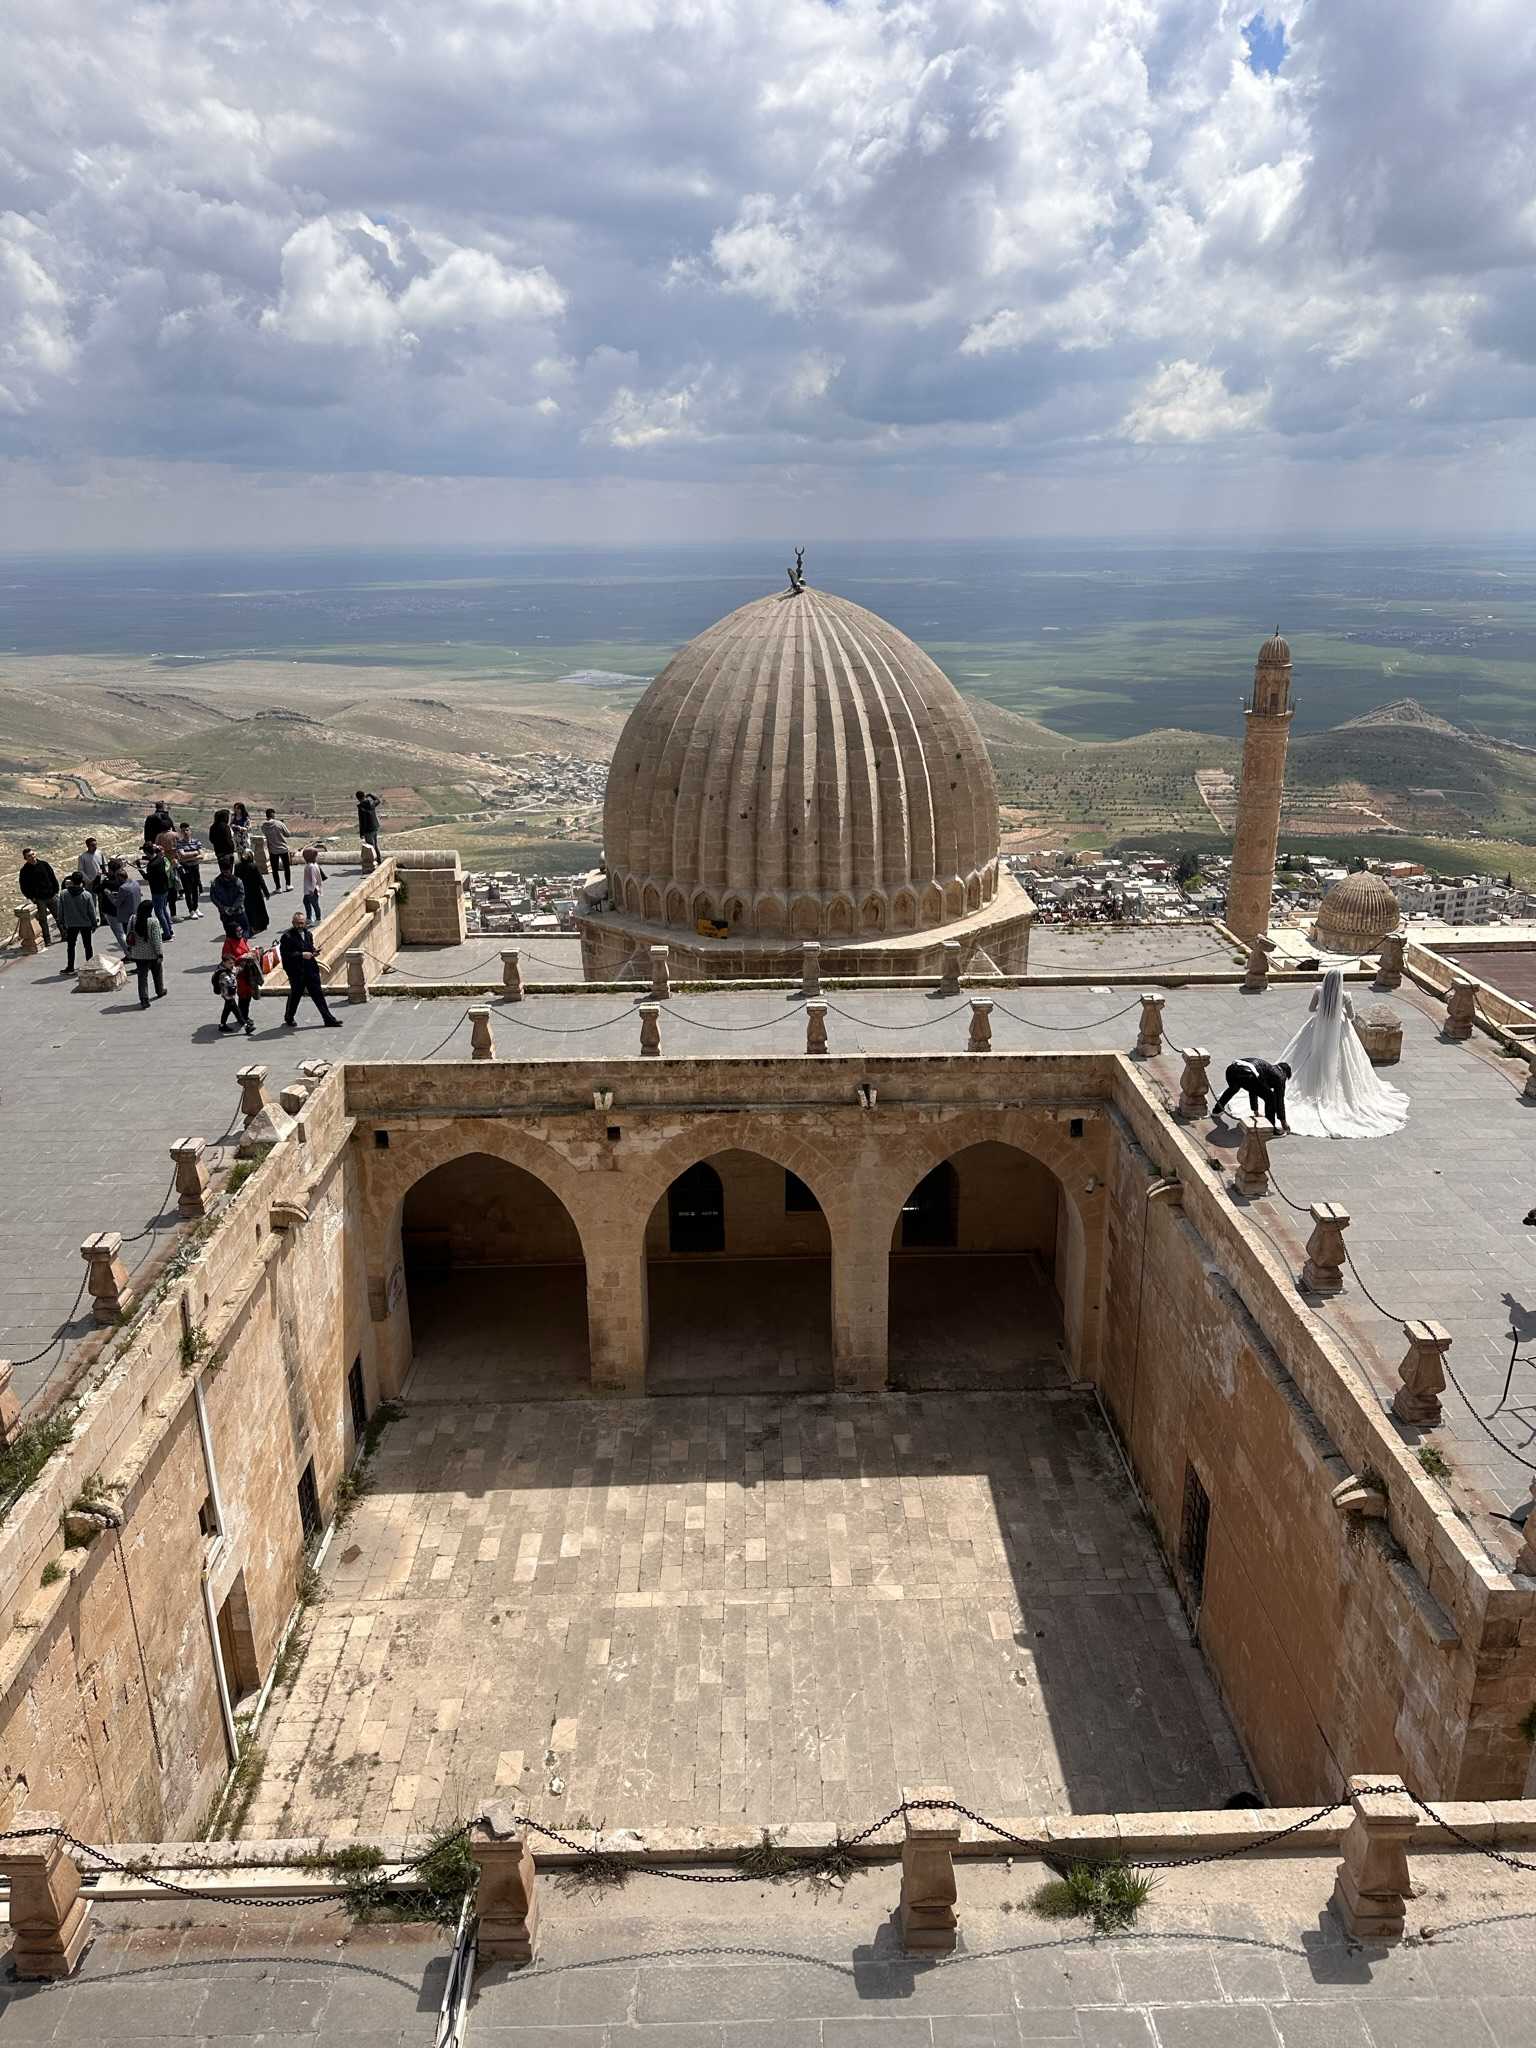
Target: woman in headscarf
1334 1091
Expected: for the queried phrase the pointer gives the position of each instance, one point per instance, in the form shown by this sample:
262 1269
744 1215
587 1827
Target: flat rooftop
1510 968
98 1090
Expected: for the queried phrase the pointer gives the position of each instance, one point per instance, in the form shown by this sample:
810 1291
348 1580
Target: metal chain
442 979
760 1024
380 1880
922 1024
1095 1025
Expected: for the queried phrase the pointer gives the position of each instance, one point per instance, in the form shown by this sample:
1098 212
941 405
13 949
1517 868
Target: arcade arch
986 1274
496 1283
738 1264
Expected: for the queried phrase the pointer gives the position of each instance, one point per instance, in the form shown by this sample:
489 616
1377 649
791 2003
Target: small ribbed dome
1356 915
1275 649
802 766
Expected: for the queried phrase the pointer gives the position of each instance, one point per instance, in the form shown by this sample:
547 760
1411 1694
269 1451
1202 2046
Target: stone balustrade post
357 978
650 1032
1195 1084
928 1920
1389 963
661 974
1422 1372
810 968
1149 1032
10 1407
50 1917
1323 1270
506 1895
252 1098
370 858
980 1039
482 1046
1256 966
511 977
815 1027
1460 1009
259 851
293 1098
1528 1092
949 971
191 1176
1252 1176
107 1276
28 937
1372 1885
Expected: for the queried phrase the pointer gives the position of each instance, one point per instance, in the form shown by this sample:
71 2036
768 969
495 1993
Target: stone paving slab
743 1611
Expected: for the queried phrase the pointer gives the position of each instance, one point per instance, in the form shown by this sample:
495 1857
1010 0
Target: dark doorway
696 1212
309 1505
929 1214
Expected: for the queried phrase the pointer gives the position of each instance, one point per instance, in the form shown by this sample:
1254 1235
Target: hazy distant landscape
1106 678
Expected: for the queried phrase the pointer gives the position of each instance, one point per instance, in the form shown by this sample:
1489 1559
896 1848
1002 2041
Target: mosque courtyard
713 1610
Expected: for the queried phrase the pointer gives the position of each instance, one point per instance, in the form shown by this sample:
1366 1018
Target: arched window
696 1211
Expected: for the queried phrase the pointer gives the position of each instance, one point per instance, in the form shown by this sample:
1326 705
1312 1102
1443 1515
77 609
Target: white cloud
906 234
1190 402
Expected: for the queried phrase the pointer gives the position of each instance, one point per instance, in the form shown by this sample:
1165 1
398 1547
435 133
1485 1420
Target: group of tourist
139 903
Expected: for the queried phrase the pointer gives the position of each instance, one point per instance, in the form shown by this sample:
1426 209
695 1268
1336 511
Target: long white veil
1334 1091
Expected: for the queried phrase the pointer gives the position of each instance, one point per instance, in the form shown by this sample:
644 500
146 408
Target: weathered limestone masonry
1342 1642
1256 833
1337 1640
1334 1637
363 923
431 908
610 1169
231 1383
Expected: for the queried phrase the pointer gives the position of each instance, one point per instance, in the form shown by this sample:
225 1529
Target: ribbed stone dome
801 767
1356 915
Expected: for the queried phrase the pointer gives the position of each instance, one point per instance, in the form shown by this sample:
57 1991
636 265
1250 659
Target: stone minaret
1258 798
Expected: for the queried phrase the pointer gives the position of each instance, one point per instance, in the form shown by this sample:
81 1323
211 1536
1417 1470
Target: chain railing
377 1883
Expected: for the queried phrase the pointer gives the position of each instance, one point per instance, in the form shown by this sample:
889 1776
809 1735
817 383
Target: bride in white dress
1334 1091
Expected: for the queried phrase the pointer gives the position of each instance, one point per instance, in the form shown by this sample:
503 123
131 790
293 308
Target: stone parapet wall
1398 1640
365 921
431 907
1431 968
109 1701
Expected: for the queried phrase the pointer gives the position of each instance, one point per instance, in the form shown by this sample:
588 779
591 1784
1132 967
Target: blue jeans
163 912
312 910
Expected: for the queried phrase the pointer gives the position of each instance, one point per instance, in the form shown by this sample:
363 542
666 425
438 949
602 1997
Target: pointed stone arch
872 914
904 911
840 918
805 917
650 904
677 907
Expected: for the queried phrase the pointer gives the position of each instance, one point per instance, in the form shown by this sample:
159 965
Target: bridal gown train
1334 1091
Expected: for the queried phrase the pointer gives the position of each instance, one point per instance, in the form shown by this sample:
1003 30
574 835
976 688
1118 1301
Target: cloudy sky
616 269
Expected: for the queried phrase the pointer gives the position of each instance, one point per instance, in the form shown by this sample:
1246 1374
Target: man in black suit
1264 1086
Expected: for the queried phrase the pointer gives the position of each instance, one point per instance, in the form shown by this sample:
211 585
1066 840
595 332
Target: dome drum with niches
1356 915
801 771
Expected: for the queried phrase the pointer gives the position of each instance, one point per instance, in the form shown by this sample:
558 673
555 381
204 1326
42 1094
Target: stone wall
1498 1008
365 922
110 1708
1336 1640
431 909
1341 1643
611 1168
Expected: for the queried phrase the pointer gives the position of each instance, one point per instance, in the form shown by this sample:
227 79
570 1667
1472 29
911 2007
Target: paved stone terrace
754 1610
96 1091
1239 1957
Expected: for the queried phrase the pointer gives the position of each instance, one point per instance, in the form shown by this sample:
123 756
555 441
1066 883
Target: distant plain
1105 677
